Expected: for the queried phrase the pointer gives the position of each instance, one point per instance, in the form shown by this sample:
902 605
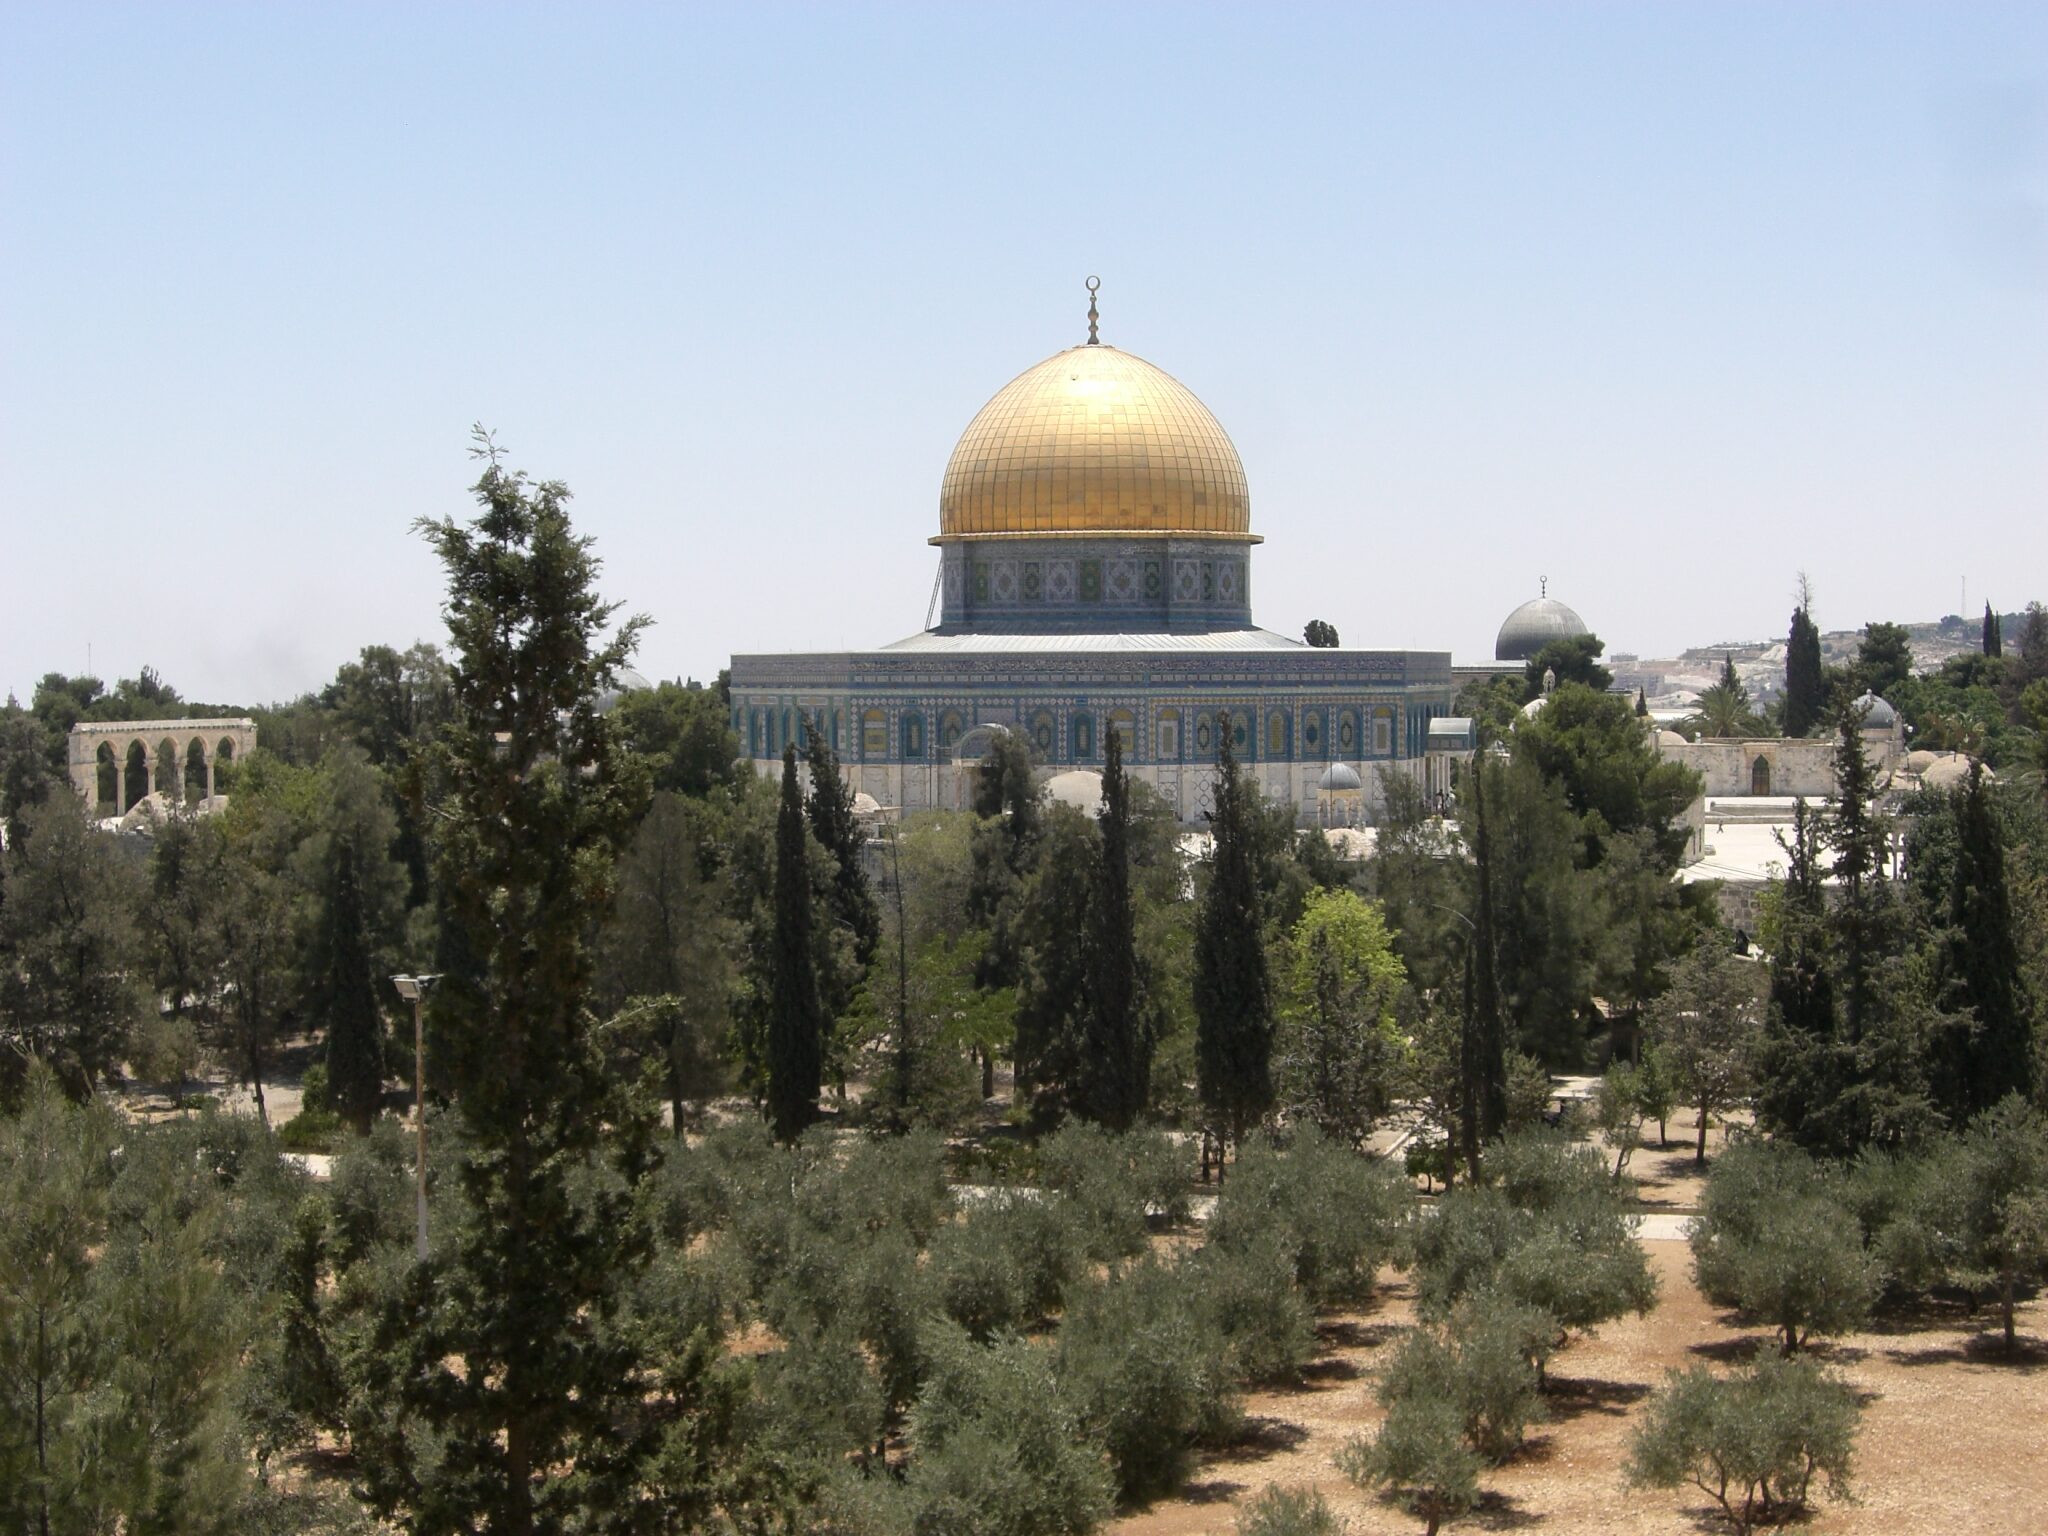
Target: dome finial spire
1542 586
1094 285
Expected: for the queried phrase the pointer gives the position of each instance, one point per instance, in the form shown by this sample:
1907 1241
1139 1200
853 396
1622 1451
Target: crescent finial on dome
1094 286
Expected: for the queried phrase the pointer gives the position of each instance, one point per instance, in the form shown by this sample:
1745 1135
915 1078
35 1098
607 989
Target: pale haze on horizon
1665 302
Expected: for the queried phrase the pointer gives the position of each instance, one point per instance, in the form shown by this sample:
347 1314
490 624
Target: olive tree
1776 1239
1753 1442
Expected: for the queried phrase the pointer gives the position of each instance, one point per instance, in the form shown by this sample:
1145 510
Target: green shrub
310 1130
1042 1241
997 1445
886 1301
370 1193
1278 1511
1497 1380
972 1279
313 1091
819 1400
1776 1239
1339 1217
1098 1175
1149 1373
1420 1454
1264 1319
1484 1374
1552 1232
1752 1441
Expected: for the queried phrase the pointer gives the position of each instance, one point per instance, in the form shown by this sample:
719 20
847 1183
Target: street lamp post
414 990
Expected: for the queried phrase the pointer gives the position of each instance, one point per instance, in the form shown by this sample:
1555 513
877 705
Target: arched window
1042 734
1125 725
1347 733
1760 776
913 738
1240 734
1276 735
950 725
874 735
1312 733
1205 735
1084 738
1382 732
1169 736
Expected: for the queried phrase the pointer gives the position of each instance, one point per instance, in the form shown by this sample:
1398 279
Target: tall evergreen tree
499 1396
1991 1055
1116 1065
850 899
67 946
357 890
1233 997
796 1018
1994 639
1864 919
1005 851
1053 922
1805 684
1482 1051
1803 1071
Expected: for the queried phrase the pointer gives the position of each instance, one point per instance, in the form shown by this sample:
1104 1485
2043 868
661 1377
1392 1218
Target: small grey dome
624 681
1534 625
1338 778
1878 716
1076 787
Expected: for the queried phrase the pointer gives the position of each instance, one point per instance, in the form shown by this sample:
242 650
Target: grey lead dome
1534 625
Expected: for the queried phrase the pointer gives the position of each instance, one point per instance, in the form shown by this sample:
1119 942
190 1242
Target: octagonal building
1095 547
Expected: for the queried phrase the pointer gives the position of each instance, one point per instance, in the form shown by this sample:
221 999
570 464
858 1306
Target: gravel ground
1954 1438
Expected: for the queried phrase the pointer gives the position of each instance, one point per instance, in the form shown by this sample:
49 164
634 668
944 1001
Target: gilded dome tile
1094 440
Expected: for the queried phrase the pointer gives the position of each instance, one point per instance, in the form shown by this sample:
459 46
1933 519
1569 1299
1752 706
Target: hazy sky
1666 302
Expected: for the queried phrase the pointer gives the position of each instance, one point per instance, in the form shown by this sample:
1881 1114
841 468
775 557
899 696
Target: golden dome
1094 441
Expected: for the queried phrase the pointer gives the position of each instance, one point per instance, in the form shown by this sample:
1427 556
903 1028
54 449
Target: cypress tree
1994 639
1006 850
498 1372
1863 918
851 900
1803 1072
1992 1057
1233 1001
1805 686
1116 1064
355 1025
357 891
1052 928
1483 1049
796 1024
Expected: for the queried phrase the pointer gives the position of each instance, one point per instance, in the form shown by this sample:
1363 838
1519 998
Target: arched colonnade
117 762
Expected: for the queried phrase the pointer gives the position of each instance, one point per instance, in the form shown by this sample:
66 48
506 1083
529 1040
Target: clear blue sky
1667 302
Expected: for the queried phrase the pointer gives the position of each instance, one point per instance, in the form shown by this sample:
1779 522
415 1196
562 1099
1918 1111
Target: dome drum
1115 583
